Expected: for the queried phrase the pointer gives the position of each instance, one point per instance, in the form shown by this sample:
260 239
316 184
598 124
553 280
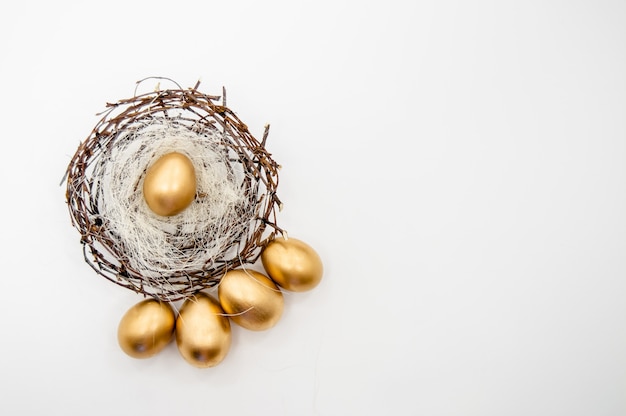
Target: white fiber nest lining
157 246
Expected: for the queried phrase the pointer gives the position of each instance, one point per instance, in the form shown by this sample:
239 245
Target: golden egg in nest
252 299
170 184
146 328
292 264
202 331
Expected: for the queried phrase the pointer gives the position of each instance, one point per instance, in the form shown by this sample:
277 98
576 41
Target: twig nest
169 191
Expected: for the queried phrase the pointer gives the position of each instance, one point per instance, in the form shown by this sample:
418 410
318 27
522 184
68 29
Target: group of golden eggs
248 298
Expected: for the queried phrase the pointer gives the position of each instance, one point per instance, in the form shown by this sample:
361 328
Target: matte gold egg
292 264
170 184
202 331
146 328
253 299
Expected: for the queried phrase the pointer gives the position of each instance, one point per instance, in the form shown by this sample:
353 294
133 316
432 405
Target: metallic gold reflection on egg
170 184
292 264
146 328
253 299
202 331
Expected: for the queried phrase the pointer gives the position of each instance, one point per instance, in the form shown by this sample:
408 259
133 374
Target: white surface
460 167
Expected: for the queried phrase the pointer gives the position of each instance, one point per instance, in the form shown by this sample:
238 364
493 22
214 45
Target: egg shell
252 299
146 328
170 184
203 333
292 264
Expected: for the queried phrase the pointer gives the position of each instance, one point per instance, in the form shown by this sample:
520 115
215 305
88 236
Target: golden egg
170 184
202 331
252 298
292 264
146 328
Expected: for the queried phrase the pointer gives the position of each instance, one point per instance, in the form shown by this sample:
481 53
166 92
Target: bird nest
232 216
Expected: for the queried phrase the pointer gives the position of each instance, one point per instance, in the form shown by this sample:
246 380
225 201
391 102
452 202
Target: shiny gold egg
170 184
146 328
252 298
202 331
292 264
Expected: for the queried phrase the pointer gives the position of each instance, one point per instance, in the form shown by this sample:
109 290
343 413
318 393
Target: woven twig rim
199 112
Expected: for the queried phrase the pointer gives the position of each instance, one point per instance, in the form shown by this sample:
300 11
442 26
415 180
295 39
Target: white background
459 166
